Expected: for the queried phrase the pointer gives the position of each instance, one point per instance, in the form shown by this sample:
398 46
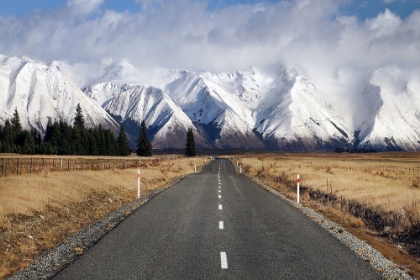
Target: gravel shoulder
385 267
53 261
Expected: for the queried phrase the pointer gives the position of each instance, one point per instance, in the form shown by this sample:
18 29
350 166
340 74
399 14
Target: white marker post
138 183
240 168
195 168
298 181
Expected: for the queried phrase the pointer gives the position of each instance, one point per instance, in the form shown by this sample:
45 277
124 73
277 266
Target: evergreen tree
17 132
28 146
8 138
93 147
79 120
123 149
65 144
48 132
102 143
38 140
144 147
190 147
16 125
110 143
80 141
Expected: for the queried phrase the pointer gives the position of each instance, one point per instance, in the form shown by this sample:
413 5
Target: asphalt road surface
218 224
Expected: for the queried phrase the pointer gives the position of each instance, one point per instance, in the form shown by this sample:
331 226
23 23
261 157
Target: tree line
62 139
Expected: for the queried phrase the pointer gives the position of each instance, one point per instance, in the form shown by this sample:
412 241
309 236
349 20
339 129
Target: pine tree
190 147
8 138
28 146
17 131
123 149
79 120
144 147
102 143
80 140
16 125
93 146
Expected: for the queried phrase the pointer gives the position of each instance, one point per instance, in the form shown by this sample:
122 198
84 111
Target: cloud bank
307 34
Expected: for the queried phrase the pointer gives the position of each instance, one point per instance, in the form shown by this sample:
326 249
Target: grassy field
42 208
377 194
388 183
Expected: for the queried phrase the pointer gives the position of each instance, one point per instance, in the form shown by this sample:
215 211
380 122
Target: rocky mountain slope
278 109
41 93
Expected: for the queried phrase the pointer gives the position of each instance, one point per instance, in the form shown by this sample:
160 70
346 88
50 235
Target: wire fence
35 165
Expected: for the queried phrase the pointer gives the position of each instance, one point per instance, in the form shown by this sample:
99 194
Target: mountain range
275 109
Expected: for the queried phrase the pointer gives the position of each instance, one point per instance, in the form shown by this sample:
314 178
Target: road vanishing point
218 224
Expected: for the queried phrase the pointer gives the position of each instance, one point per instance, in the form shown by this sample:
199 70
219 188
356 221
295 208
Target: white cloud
83 7
309 34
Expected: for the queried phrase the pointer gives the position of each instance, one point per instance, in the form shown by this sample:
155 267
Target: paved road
218 225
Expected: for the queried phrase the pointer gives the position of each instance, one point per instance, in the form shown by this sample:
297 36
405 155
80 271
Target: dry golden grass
385 186
389 182
39 210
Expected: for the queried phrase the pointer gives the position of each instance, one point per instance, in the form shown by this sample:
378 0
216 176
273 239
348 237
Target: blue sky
363 9
339 40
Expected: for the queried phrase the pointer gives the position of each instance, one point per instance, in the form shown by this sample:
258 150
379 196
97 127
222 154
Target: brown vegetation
373 194
41 209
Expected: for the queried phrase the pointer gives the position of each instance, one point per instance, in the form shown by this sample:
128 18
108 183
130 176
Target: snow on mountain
131 104
208 103
388 117
278 108
41 93
302 117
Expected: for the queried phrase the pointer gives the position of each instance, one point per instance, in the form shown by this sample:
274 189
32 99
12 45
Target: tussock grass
41 209
387 184
375 196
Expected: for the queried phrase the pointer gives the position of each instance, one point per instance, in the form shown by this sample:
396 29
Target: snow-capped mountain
277 109
41 93
389 112
131 104
246 109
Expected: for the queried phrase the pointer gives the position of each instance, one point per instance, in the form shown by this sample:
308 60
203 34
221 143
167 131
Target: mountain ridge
279 109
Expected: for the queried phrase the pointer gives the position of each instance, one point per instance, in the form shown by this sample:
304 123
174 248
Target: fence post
17 167
138 183
30 168
298 190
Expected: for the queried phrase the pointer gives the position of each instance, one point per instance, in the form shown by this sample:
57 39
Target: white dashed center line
220 196
221 225
220 191
220 206
223 260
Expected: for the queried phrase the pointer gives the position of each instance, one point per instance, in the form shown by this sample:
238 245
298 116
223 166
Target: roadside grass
389 187
372 195
40 210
